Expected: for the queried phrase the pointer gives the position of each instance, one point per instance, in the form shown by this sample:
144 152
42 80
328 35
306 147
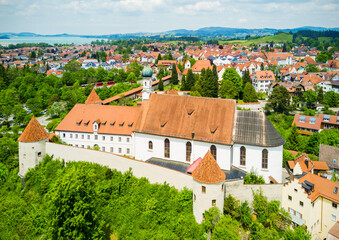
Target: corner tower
147 73
208 187
32 147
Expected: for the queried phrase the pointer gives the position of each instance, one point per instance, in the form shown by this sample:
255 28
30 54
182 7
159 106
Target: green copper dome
147 71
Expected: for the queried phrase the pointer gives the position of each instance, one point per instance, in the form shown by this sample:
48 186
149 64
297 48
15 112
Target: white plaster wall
154 173
243 192
29 155
178 149
254 160
203 201
119 146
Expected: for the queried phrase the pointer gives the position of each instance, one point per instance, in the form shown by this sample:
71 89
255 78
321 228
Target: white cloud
198 7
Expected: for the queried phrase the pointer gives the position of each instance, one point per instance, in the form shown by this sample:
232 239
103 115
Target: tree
183 83
72 66
298 233
227 90
310 98
190 81
331 99
231 74
253 178
323 57
311 68
73 207
292 142
131 78
161 85
246 78
56 109
174 79
313 144
212 217
320 94
208 85
250 94
279 100
32 55
226 229
231 206
245 218
260 206
101 74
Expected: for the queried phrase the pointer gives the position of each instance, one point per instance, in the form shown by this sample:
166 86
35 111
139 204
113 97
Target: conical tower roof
208 170
93 98
34 132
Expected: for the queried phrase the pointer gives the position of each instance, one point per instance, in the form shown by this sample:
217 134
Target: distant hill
201 32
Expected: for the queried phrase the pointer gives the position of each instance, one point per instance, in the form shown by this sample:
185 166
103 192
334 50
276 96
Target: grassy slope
282 37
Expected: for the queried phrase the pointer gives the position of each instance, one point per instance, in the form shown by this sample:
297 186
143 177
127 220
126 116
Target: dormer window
86 123
79 122
112 123
95 126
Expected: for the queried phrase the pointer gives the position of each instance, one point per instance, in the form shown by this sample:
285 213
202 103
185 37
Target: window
167 148
312 120
103 149
335 190
127 139
203 189
119 139
333 217
302 119
96 137
39 154
301 203
264 158
82 146
326 118
334 205
127 150
111 139
103 138
88 136
214 202
150 145
63 135
120 150
214 152
76 136
188 151
296 190
289 197
82 136
71 135
111 149
242 156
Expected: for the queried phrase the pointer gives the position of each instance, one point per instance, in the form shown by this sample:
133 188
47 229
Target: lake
49 40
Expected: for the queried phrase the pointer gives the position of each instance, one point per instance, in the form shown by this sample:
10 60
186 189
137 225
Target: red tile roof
93 98
306 124
208 170
194 165
34 132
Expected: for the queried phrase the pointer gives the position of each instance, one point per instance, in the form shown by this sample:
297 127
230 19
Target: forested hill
88 201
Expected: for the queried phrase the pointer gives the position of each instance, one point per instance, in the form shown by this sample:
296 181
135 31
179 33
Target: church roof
208 170
34 132
111 119
253 128
93 98
201 119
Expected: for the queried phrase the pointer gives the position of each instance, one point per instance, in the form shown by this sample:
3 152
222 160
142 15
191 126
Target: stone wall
154 173
243 192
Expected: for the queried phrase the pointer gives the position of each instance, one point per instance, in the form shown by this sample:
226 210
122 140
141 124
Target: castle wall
243 192
154 173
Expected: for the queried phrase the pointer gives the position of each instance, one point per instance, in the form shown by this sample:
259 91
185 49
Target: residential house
312 201
330 155
303 164
262 79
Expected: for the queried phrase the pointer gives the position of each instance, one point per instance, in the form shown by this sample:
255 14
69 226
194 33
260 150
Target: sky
130 16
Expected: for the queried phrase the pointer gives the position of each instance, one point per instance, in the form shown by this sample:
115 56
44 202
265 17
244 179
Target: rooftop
34 132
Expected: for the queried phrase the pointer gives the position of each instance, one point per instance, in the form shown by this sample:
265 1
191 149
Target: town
242 134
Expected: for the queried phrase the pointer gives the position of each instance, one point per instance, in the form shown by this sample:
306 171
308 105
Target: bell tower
147 73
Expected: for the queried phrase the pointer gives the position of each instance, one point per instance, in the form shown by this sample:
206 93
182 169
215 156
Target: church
177 128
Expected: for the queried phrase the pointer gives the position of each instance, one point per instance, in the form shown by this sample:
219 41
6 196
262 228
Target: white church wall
254 161
178 149
154 173
118 144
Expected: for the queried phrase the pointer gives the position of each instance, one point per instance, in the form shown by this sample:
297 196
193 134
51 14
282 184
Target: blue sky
128 16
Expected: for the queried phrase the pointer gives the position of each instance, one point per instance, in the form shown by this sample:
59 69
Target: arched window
188 151
242 156
214 152
264 158
167 148
150 145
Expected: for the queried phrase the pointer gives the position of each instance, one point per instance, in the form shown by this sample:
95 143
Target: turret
208 188
147 73
32 147
93 98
